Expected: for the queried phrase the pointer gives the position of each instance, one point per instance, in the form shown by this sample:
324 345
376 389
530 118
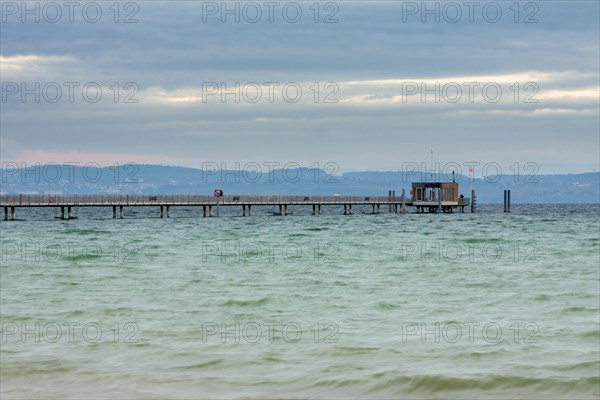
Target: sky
360 85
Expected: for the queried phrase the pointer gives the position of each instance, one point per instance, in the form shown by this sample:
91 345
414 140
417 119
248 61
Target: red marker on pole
218 193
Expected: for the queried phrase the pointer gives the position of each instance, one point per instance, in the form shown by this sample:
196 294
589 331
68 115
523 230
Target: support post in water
403 201
508 201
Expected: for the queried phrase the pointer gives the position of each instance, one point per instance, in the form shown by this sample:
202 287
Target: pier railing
49 200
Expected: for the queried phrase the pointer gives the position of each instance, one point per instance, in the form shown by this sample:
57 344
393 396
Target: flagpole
471 177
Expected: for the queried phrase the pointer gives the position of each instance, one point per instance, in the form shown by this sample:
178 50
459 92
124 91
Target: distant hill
148 179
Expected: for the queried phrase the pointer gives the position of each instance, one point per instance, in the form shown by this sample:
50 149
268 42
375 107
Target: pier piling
121 211
507 201
403 201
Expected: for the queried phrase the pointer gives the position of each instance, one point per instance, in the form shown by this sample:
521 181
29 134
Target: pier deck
13 201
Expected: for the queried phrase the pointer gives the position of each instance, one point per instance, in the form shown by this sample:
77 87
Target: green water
484 305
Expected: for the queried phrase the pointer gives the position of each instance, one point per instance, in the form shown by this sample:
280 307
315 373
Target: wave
247 303
498 386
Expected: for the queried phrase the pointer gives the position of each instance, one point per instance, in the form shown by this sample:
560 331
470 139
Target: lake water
484 305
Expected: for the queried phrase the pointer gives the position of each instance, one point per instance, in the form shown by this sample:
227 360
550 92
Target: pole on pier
403 201
373 205
13 213
473 199
508 202
345 209
204 211
504 200
121 211
70 212
280 209
161 211
114 211
314 206
6 213
390 198
62 212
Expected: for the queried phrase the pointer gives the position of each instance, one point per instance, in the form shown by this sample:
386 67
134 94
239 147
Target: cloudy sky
365 85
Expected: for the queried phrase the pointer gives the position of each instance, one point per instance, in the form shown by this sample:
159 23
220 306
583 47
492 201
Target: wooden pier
209 204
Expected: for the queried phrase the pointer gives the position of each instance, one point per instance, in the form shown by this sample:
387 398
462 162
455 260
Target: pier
209 205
